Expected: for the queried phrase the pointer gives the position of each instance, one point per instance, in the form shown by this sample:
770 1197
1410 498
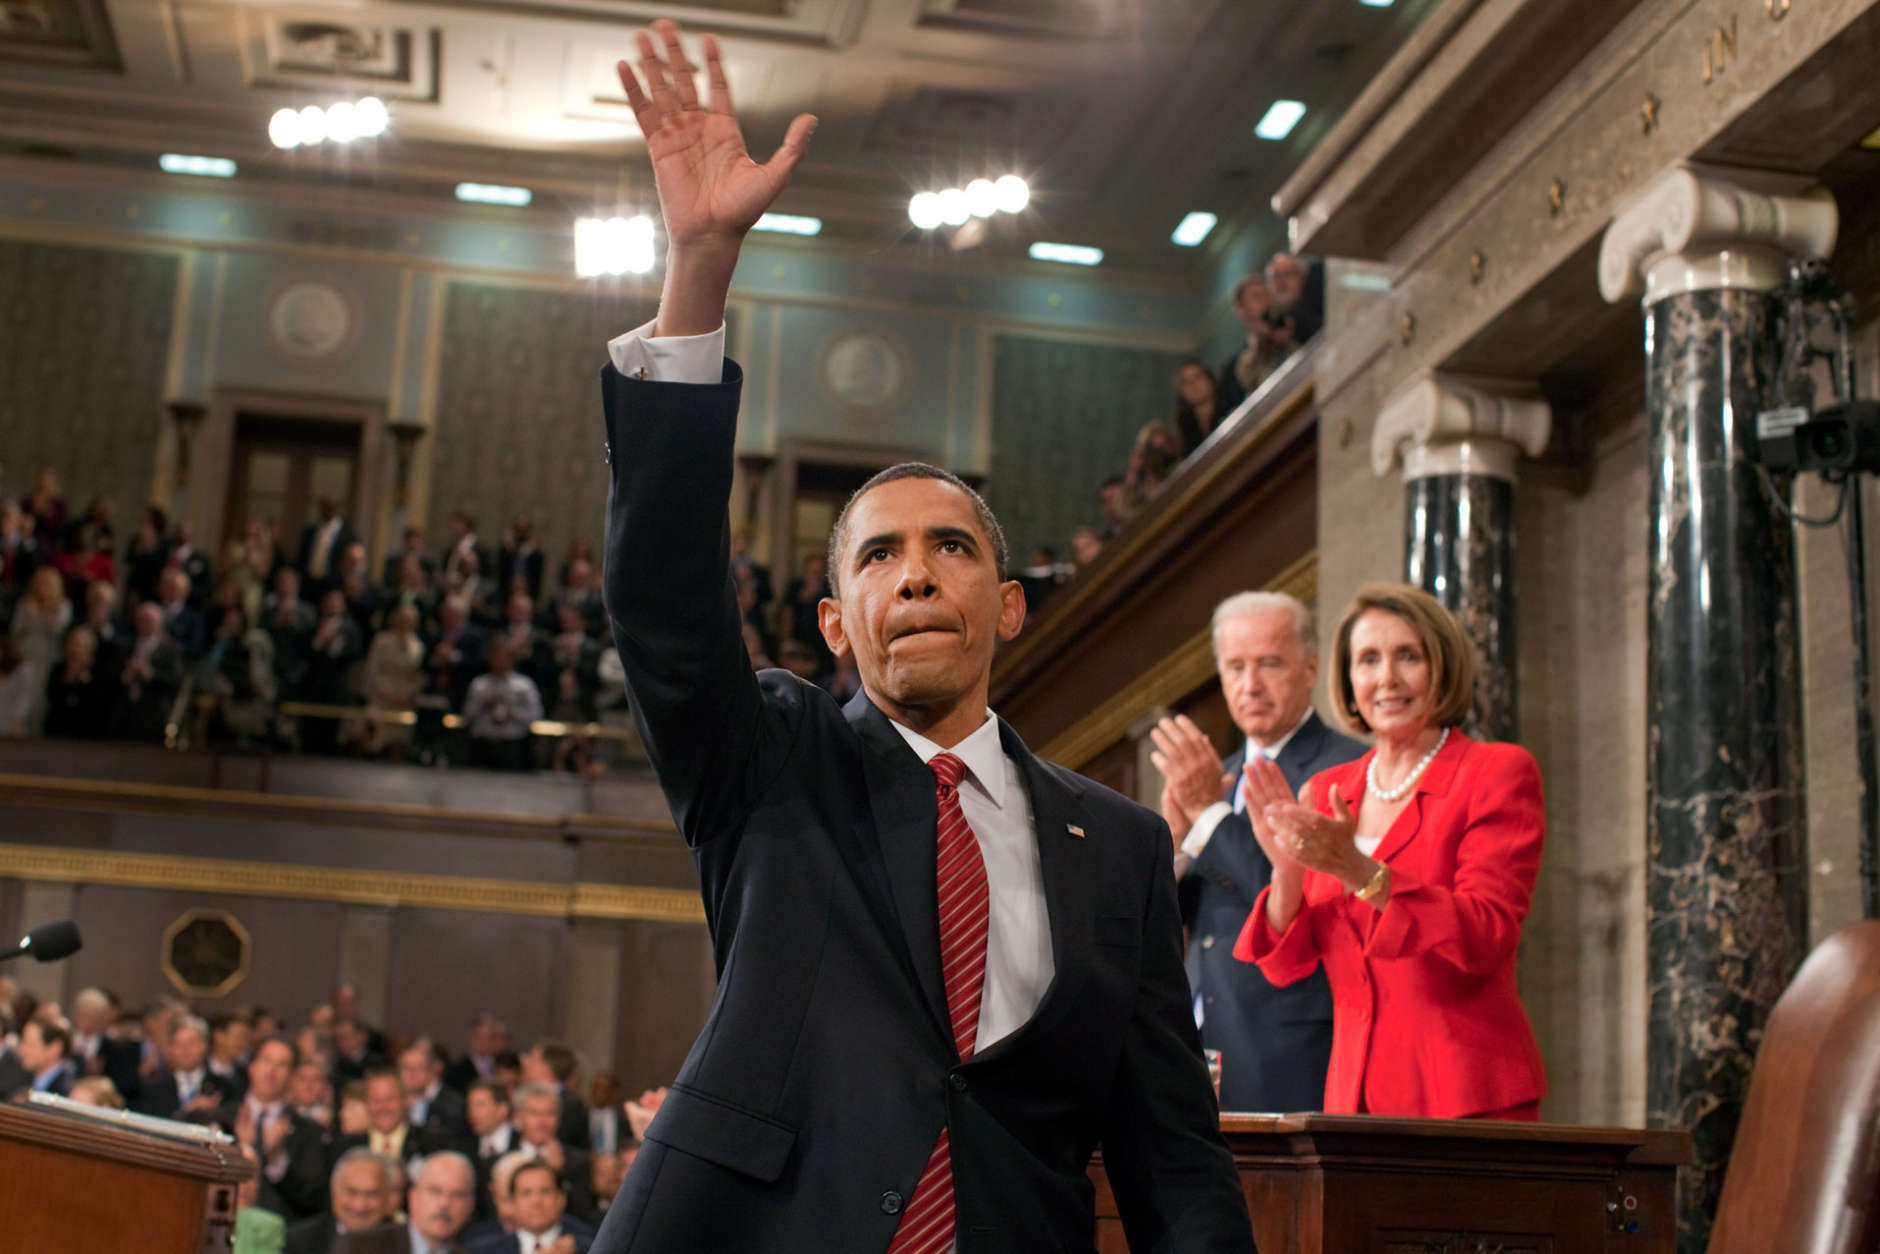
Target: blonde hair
1450 655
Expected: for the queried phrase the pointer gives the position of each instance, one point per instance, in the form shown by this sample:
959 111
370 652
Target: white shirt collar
1271 752
982 753
539 1239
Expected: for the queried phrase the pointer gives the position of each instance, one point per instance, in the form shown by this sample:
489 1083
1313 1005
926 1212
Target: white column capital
1700 228
1443 424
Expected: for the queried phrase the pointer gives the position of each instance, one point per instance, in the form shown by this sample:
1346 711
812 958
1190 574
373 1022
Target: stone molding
1699 228
1442 424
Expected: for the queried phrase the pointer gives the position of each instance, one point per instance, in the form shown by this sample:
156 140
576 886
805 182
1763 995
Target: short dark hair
534 1164
293 1050
560 1059
507 1059
839 534
498 1091
51 1034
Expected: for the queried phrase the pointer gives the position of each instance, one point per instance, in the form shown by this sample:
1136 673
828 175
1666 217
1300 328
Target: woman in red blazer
1408 873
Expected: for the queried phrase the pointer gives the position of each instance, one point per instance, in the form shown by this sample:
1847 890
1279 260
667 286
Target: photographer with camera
1269 342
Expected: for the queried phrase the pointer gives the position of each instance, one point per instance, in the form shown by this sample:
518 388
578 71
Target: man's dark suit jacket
308 535
385 1239
571 1126
447 1118
510 1243
321 1235
1275 1043
808 1106
302 1189
419 1141
156 1094
461 1074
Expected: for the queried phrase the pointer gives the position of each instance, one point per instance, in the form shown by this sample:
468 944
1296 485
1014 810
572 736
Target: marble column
1458 442
1726 835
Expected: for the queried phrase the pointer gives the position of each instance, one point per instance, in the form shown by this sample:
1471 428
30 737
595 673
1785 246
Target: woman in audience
40 621
1408 874
394 677
1155 454
80 695
1197 405
146 555
46 508
89 560
239 669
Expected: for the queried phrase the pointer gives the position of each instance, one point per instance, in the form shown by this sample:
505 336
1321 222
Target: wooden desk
1356 1184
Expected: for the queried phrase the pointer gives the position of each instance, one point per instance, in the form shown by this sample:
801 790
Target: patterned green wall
84 344
519 411
1063 418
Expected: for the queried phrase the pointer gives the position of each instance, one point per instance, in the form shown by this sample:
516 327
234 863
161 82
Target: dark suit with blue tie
1275 1043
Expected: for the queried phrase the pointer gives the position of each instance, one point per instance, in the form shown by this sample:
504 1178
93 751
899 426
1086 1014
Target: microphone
48 942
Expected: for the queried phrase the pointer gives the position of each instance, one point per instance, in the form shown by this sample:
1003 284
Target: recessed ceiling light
1194 228
494 194
210 167
1280 119
1070 254
788 224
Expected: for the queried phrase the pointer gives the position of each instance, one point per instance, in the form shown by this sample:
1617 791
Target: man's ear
1011 609
829 619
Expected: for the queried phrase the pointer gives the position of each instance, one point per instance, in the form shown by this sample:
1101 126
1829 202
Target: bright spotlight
284 128
313 125
982 198
370 117
342 124
924 211
954 209
1014 193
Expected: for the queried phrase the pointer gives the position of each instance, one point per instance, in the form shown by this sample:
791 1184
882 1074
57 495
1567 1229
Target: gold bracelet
1377 886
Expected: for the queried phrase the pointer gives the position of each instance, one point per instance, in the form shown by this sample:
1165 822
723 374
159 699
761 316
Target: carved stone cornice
1443 424
1697 228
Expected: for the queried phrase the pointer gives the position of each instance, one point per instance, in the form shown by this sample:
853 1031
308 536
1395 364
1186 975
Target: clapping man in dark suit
543 1225
1275 1043
537 1118
430 1106
291 1148
388 1128
948 971
552 1065
184 1084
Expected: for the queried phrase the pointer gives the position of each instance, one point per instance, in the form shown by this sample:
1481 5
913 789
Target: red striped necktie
960 876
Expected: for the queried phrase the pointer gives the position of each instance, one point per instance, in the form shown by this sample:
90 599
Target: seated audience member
239 670
605 1121
146 555
229 1038
543 1224
1085 545
508 1069
520 558
409 588
184 1085
19 556
394 677
432 1108
289 621
350 1118
97 1090
552 1063
487 1036
193 562
94 1011
463 544
581 590
439 1202
292 1149
89 560
182 620
40 622
331 652
151 678
79 697
1197 407
1298 287
21 690
310 1091
498 710
388 1127
46 510
44 1066
1242 374
355 584
1152 459
360 1189
456 652
411 547
1417 937
528 645
538 1111
107 626
487 1111
502 1217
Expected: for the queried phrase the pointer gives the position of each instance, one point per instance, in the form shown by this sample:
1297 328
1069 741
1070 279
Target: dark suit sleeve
304 1185
1175 1184
669 594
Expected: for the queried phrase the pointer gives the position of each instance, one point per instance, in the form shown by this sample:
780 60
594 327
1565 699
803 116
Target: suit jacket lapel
1296 758
906 817
1434 782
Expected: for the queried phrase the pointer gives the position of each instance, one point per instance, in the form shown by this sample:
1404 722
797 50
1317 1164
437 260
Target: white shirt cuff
1203 828
669 358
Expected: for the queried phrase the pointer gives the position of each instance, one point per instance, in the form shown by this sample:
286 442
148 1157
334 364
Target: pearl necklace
1391 794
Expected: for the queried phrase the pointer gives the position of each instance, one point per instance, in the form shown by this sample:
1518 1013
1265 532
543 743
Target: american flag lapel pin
1074 830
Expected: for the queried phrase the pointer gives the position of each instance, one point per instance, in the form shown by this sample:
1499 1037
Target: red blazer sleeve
1283 957
1474 923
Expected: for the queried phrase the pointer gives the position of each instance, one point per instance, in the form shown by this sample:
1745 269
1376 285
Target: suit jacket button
891 1203
1207 942
957 1082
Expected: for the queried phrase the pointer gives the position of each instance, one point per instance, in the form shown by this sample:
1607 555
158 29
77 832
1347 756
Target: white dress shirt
188 1084
530 1242
497 1143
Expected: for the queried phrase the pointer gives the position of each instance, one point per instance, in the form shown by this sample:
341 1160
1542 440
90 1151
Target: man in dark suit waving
947 971
1275 1043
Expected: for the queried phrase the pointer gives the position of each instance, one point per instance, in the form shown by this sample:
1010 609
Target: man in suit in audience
182 620
184 1084
488 1037
551 1064
537 1113
361 1195
438 1207
520 556
229 1035
436 1110
93 1011
292 1149
388 1129
152 674
45 1057
852 1089
321 544
487 1108
353 1054
1275 1043
1244 372
543 1224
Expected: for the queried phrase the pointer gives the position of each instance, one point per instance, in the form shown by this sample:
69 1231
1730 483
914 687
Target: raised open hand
1263 786
710 191
1189 763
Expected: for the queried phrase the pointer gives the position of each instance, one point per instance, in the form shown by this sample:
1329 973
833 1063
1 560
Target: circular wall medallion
206 953
311 321
864 369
